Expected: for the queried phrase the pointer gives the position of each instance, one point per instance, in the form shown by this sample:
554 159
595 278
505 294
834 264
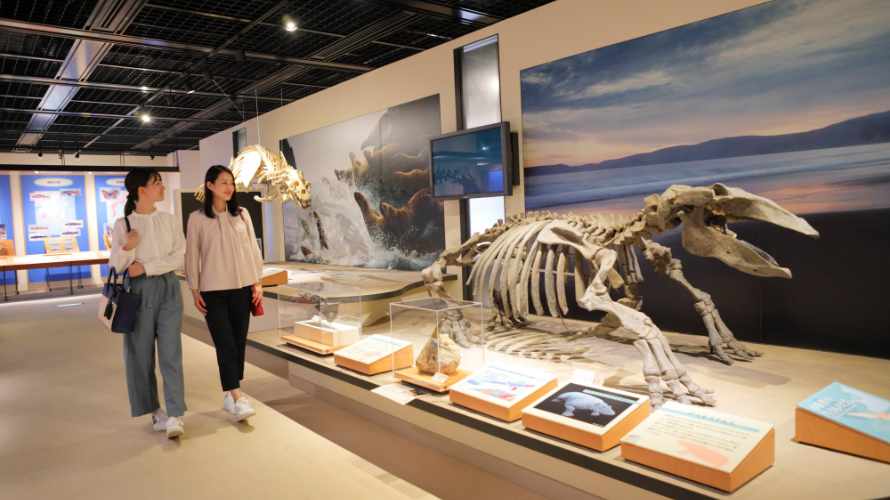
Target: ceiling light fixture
144 88
289 24
191 91
146 118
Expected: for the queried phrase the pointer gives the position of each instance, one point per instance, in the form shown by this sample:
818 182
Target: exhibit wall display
6 232
787 100
371 203
54 206
111 196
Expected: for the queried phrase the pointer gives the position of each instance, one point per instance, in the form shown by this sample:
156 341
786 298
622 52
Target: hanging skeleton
256 164
510 259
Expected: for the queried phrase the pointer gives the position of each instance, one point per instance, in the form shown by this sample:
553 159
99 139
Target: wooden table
41 261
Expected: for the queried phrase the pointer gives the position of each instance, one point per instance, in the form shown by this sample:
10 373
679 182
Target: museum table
42 261
766 389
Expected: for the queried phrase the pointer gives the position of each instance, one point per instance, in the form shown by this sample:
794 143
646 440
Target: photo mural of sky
747 98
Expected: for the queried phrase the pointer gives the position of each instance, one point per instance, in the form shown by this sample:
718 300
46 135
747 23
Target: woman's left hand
257 294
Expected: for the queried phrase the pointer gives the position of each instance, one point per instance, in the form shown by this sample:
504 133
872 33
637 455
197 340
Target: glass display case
319 316
448 337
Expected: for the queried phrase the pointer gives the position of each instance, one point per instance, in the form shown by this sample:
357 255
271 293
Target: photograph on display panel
371 201
787 100
596 406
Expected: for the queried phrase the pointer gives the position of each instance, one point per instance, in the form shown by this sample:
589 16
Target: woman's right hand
132 240
200 305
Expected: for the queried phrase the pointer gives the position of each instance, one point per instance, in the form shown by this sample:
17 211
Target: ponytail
130 205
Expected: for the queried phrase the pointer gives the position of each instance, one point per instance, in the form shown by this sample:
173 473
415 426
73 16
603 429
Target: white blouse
161 247
222 252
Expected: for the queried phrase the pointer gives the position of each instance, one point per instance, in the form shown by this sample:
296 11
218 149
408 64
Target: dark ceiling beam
460 14
363 36
200 66
30 58
154 43
222 17
126 88
106 16
111 115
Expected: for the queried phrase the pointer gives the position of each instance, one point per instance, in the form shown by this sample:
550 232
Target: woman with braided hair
149 245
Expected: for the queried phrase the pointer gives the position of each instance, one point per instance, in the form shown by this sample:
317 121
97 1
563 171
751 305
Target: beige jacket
222 252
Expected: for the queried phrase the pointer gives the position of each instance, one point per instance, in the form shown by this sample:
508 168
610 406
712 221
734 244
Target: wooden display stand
678 444
274 278
829 419
813 429
375 354
541 418
413 376
316 338
472 393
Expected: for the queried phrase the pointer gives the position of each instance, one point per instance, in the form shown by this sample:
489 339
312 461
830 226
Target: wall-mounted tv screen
472 163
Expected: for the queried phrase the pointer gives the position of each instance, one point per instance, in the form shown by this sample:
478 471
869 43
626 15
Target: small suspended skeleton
256 164
510 258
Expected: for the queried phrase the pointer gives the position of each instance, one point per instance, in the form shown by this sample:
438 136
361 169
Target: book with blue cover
852 408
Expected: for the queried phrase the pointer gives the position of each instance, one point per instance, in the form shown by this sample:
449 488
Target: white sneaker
175 427
159 420
243 409
229 403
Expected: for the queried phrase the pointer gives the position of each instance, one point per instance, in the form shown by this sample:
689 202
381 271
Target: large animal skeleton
256 164
510 259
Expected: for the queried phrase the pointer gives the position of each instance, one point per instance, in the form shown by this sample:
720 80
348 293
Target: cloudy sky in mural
782 67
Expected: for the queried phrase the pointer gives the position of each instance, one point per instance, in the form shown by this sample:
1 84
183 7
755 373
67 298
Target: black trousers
228 316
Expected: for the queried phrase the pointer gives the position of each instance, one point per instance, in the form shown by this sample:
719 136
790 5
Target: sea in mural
371 202
789 99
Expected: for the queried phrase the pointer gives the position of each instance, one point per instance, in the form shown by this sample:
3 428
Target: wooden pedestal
813 429
413 376
310 345
376 354
712 448
601 437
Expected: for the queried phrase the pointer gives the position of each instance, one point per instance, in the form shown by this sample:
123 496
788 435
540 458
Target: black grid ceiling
206 23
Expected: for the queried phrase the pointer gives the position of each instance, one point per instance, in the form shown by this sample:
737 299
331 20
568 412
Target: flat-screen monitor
472 163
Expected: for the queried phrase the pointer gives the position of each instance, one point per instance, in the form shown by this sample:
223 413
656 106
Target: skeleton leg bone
723 343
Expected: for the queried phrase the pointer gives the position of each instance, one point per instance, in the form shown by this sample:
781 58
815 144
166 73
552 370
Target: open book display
845 419
375 354
591 416
322 336
713 448
501 391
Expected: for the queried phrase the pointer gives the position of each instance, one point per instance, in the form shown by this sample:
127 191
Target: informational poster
54 206
111 196
5 209
705 437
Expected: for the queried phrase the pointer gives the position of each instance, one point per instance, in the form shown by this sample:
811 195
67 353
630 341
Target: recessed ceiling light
191 91
144 88
289 24
146 118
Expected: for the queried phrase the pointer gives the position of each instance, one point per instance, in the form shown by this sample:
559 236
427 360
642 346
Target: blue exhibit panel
54 205
111 195
6 232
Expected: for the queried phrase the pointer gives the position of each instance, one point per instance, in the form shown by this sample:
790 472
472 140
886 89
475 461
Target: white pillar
18 224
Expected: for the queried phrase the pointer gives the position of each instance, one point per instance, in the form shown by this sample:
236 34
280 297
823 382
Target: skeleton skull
705 213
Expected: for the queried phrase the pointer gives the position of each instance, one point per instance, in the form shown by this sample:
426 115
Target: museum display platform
373 289
767 389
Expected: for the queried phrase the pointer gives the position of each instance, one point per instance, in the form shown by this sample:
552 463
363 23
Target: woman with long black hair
148 245
224 268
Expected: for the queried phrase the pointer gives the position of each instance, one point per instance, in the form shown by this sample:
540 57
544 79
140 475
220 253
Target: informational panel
111 196
6 232
54 206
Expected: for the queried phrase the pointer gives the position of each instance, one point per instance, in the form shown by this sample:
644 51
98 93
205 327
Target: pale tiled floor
65 429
